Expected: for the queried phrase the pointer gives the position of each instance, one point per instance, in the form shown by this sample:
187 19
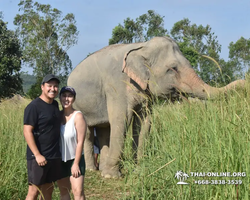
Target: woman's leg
77 185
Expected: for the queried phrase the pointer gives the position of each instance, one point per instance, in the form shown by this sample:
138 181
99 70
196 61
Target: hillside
28 80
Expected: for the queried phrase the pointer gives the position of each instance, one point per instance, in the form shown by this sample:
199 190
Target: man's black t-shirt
45 118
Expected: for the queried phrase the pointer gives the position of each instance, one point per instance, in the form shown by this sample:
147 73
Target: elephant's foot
111 173
91 167
101 166
91 170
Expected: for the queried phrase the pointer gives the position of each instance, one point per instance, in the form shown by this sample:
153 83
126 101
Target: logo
181 176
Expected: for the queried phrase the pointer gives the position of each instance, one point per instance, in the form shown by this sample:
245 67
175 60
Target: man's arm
27 132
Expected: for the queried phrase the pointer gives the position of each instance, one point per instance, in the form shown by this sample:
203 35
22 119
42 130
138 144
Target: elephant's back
96 77
102 68
107 58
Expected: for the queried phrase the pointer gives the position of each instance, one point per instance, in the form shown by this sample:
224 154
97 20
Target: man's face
50 89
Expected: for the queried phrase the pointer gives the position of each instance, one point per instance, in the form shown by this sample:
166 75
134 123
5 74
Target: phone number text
218 182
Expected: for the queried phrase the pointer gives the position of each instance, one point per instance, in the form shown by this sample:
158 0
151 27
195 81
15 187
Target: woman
73 130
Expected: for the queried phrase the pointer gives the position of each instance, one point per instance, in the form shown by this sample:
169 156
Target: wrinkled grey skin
114 82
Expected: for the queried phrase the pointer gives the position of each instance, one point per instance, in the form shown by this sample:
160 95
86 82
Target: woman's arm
81 128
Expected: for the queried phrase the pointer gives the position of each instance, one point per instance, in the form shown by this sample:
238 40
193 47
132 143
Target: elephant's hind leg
89 149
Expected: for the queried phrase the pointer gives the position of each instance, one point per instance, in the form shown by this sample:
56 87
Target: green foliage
189 52
211 136
10 62
231 71
202 40
13 184
35 89
28 80
46 36
121 34
194 42
142 29
239 53
153 25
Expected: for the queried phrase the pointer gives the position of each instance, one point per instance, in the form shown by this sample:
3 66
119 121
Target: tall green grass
202 136
211 136
13 165
13 181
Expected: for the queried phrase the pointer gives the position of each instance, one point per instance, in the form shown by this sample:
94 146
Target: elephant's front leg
145 129
141 128
89 149
117 119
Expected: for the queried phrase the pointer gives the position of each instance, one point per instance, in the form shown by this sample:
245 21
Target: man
42 132
96 149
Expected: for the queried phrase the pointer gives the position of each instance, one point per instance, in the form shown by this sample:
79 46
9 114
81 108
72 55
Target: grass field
211 136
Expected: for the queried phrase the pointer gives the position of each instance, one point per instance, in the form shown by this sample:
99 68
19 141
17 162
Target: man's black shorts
39 175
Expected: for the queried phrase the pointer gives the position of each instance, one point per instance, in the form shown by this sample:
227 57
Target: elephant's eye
172 69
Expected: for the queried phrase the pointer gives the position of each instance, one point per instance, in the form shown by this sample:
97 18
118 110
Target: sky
95 19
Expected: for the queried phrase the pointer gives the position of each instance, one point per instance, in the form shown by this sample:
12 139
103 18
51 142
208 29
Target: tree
153 24
10 62
195 41
231 71
28 81
189 52
239 54
142 29
46 36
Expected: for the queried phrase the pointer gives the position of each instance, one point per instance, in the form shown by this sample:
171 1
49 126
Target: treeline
28 80
198 43
44 35
41 41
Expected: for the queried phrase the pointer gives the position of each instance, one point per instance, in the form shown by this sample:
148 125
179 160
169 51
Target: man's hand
41 160
29 137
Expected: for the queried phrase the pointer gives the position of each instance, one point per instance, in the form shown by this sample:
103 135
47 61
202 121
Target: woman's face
67 99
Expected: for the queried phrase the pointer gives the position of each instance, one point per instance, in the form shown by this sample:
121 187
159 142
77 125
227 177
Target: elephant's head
160 66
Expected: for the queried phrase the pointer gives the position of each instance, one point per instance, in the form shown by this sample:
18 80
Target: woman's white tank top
69 139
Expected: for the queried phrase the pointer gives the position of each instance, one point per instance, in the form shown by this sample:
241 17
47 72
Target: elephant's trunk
192 84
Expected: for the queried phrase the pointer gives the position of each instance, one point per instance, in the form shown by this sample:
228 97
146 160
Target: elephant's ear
134 65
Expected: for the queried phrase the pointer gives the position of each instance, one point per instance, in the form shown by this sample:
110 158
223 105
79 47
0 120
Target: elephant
115 83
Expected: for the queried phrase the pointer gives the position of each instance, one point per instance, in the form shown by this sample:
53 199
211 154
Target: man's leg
96 151
33 192
64 187
47 190
96 161
35 179
53 174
